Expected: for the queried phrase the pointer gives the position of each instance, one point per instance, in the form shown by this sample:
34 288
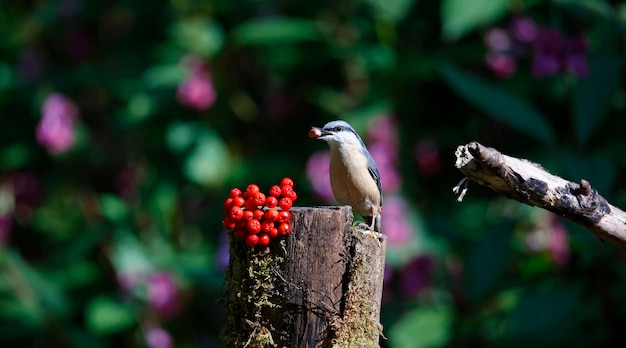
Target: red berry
238 201
247 215
283 216
242 223
235 192
252 189
271 202
227 204
273 233
285 203
253 226
287 191
236 213
229 223
284 228
264 239
241 233
250 204
258 214
252 240
271 215
266 226
258 198
275 191
286 182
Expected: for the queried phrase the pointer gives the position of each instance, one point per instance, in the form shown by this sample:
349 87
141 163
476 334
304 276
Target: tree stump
320 286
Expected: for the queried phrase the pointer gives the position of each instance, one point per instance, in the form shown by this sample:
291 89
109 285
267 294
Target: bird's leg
370 229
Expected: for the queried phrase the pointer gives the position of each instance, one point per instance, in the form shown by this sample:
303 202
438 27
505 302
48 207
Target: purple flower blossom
502 64
559 246
552 52
523 29
497 39
548 48
163 293
416 275
385 158
384 129
317 172
383 146
575 59
55 130
550 235
395 223
197 91
500 52
158 338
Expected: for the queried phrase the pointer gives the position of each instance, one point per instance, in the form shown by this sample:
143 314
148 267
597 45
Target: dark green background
280 67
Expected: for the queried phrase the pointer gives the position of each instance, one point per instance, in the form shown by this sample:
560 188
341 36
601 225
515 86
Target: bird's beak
318 133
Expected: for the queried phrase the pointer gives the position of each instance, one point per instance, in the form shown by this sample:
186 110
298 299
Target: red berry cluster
254 216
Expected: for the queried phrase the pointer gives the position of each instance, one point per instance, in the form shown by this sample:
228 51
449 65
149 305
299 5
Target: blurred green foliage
120 234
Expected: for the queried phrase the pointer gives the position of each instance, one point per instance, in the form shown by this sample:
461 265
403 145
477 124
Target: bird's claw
367 231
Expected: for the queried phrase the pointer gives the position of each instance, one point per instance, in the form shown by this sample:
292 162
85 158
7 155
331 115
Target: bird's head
337 133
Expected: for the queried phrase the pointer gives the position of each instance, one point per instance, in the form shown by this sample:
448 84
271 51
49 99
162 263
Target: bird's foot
367 230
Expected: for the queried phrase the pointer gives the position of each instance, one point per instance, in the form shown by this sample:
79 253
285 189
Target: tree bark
530 183
321 286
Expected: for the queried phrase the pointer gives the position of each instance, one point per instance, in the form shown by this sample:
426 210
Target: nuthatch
354 177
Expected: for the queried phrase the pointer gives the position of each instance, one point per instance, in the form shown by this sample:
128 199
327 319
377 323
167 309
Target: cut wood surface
530 183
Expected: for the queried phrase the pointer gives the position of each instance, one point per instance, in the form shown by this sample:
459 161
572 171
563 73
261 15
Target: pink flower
55 130
575 59
383 146
384 129
550 235
394 222
197 91
497 39
523 29
503 65
158 338
548 49
385 158
317 172
163 293
559 247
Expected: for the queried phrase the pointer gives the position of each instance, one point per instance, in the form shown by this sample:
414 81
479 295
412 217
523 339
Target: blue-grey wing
371 166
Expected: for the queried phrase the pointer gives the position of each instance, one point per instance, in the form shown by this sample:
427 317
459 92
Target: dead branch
530 183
